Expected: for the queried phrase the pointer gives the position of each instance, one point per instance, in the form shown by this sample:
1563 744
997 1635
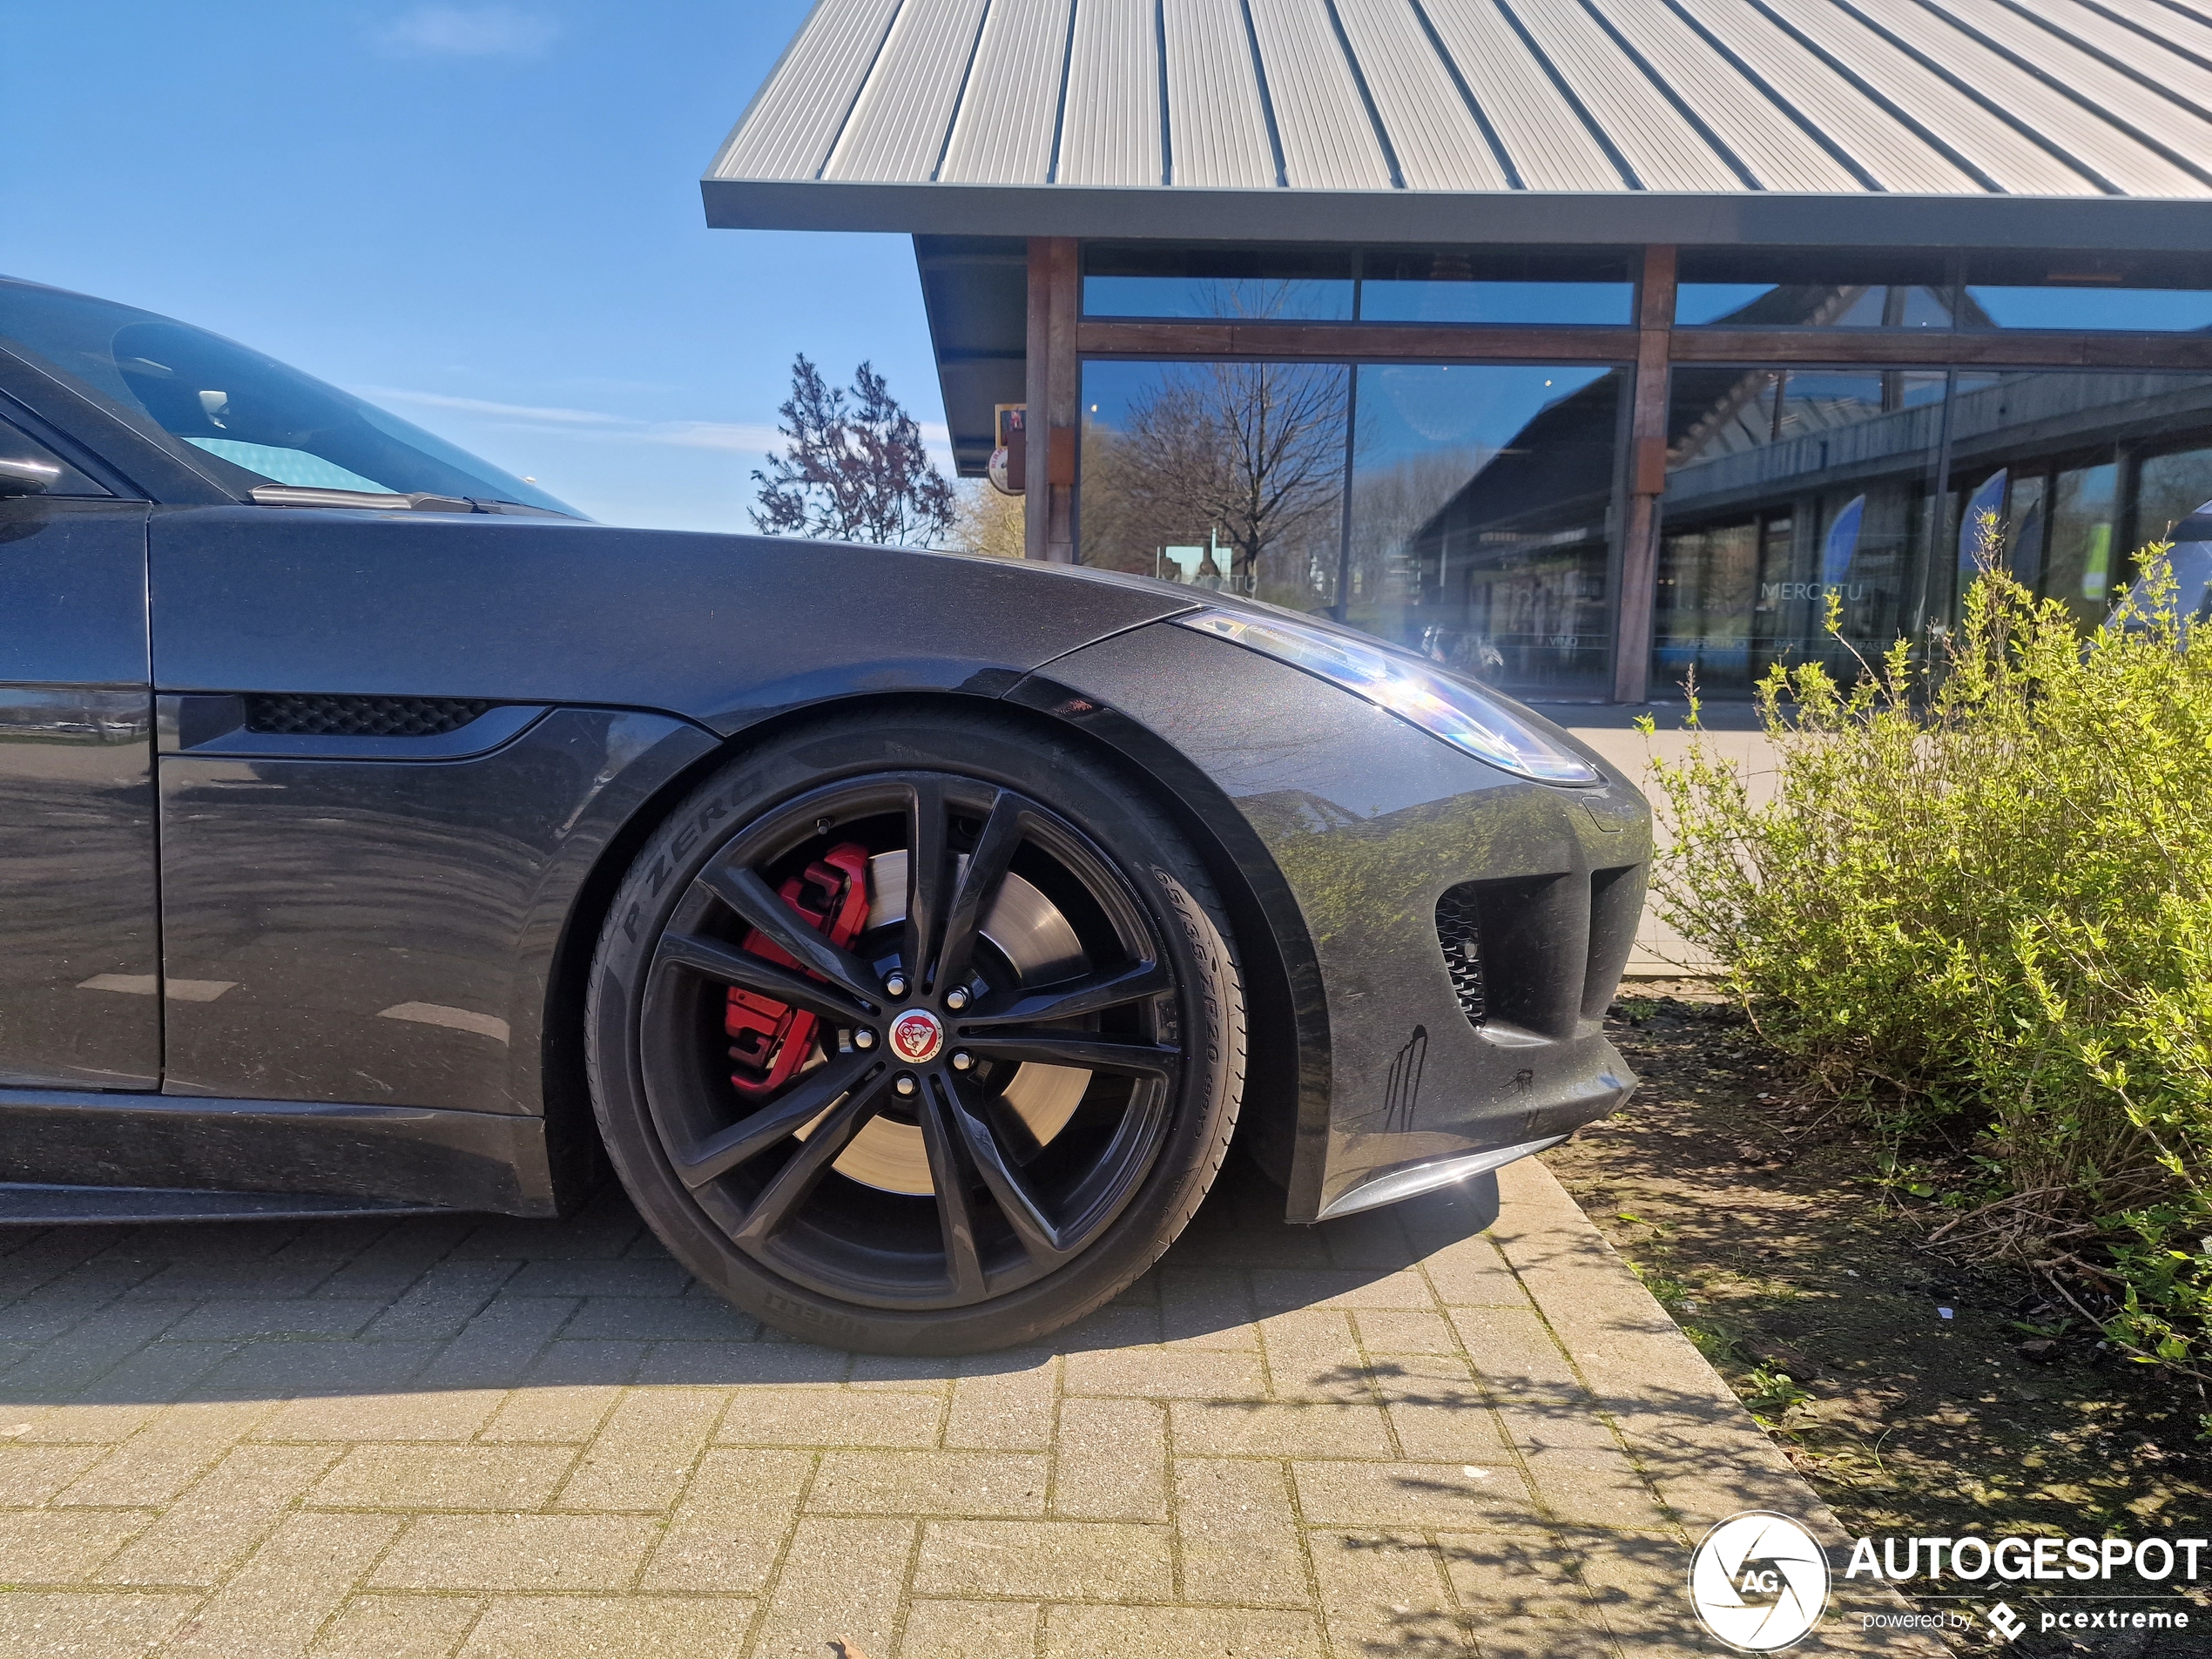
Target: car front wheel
917 1032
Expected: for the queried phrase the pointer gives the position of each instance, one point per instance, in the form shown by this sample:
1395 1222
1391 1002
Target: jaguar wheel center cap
916 1035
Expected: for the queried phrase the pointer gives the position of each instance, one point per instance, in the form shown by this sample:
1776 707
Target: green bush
1979 907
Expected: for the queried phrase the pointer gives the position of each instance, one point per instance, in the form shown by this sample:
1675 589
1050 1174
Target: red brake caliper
769 1040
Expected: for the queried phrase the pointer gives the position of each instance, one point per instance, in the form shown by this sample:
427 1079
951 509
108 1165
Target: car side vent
319 716
1459 929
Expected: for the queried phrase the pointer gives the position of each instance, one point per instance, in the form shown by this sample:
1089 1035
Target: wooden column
1646 479
1054 387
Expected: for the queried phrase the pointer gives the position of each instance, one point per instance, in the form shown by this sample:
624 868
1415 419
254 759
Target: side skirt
413 1155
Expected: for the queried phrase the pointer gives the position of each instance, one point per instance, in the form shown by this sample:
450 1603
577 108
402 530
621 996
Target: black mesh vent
1459 929
313 716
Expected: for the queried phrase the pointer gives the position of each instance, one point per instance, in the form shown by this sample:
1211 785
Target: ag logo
1759 1582
916 1036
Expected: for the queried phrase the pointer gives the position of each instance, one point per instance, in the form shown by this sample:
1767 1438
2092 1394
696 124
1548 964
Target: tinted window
2148 295
17 445
1292 285
1461 285
262 422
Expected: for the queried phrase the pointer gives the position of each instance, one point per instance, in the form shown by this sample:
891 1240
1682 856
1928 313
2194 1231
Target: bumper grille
1459 929
315 716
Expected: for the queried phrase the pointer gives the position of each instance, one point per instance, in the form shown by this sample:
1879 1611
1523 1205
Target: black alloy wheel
920 1033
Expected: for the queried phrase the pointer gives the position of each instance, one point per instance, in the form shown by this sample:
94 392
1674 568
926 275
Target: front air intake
1459 930
323 716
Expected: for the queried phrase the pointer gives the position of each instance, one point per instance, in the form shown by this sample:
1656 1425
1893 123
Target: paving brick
1206 1308
1280 1290
929 1483
223 1516
311 1371
66 1625
1164 1373
623 1277
1383 1592
201 1280
1403 1330
1410 1494
305 1317
628 1626
971 1630
1003 1402
1110 1463
1596 1487
440 1302
167 1455
443 1477
570 1415
1471 1273
1238 1534
280 1598
1185 1632
398 1627
59 1546
661 1319
1522 1598
830 1417
497 1348
517 1552
727 1532
75 1358
1312 1355
726 1364
840 1581
1086 1559
1243 1428
431 1414
31 1475
646 1449
1437 1411
920 1373
1115 1325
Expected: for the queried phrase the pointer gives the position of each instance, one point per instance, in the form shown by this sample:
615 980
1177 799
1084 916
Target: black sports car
912 932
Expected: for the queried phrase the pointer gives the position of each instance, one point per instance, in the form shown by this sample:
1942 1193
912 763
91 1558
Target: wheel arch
1285 1018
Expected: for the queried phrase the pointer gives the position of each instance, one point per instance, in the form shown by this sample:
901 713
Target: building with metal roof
1155 224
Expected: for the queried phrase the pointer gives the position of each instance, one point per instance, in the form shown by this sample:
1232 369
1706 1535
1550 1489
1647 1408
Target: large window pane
1788 489
1812 288
1483 515
2146 293
1229 475
1288 285
2082 469
1449 286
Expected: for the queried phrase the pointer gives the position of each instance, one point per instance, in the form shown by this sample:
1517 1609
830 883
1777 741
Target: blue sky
485 217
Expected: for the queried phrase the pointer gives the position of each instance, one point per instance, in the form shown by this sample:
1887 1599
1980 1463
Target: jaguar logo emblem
916 1036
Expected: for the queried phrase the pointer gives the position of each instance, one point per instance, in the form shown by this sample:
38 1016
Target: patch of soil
1762 1227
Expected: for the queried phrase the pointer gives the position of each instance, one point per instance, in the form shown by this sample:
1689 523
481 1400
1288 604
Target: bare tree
988 524
1255 450
856 470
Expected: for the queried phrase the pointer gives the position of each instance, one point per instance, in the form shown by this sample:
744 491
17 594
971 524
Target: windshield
263 423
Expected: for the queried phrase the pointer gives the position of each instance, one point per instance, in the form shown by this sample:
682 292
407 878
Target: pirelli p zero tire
917 1032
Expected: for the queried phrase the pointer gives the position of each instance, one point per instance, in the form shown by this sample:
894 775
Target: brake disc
1027 930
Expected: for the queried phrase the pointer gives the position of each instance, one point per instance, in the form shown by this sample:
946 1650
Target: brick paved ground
1392 1435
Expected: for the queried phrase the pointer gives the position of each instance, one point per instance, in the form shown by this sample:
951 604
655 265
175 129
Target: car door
80 1003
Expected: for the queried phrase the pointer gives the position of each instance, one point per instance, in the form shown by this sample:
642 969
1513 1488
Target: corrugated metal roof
1222 117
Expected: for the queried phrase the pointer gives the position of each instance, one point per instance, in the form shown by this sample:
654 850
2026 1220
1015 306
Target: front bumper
1371 849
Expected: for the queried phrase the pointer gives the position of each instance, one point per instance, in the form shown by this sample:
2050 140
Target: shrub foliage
1979 909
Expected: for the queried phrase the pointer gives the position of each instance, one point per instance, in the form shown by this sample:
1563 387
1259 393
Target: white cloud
468 31
533 413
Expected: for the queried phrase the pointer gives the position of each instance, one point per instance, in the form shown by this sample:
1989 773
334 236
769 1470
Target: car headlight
1441 706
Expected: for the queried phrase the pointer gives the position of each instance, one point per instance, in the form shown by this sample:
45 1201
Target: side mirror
26 477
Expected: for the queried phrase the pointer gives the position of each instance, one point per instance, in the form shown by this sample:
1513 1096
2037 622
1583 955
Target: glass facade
1484 502
1474 512
1788 488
